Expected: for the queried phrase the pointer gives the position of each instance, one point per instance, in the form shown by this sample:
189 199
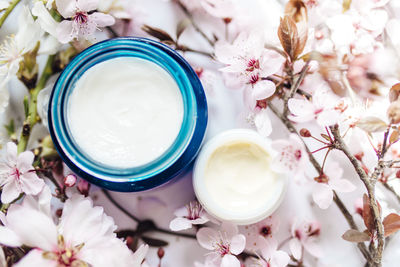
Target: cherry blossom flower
15 46
262 231
304 234
330 180
291 156
224 243
251 64
79 21
193 213
70 180
17 175
322 108
271 256
84 235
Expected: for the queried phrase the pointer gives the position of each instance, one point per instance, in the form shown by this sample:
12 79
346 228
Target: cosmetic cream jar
70 132
233 178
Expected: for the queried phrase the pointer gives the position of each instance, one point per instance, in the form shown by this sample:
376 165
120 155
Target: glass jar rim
159 170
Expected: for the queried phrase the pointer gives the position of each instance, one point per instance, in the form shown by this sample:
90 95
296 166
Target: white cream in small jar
125 112
233 178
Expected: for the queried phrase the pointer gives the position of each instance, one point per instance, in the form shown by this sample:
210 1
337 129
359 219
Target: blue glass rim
154 173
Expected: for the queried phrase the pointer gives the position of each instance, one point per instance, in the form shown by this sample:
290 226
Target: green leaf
10 127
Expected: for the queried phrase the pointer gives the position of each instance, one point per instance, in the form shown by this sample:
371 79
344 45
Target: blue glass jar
157 172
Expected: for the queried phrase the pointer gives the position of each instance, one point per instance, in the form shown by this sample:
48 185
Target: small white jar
233 178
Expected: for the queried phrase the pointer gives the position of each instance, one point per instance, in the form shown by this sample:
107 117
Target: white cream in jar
125 112
233 178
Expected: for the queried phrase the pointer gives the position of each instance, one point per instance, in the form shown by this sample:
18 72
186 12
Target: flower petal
39 231
229 229
139 255
11 157
66 32
10 191
342 185
9 238
206 237
101 19
303 110
35 258
322 195
24 161
295 248
230 261
238 242
87 5
263 89
44 18
179 224
31 184
263 123
66 8
280 259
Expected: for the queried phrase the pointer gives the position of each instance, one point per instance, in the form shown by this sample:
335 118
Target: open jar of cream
128 114
233 179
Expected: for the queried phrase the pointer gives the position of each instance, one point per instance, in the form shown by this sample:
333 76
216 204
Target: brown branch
339 203
369 184
194 24
295 86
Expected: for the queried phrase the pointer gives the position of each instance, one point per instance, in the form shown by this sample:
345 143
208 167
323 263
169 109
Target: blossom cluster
327 70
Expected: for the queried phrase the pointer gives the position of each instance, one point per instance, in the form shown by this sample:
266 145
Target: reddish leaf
355 236
288 35
394 137
367 216
297 10
394 92
391 224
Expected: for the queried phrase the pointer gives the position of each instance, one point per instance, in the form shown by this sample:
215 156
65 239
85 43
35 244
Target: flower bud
398 174
70 180
83 187
393 112
160 253
305 133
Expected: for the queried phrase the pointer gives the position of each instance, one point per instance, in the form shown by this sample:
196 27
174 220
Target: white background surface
224 109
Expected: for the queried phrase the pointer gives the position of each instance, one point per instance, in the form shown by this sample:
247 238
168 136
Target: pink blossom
260 232
271 256
224 243
291 156
70 180
251 64
330 180
322 108
17 175
84 235
193 213
304 234
79 22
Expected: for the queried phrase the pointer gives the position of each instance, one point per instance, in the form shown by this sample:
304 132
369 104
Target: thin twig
370 186
339 203
194 24
8 10
391 189
137 220
295 86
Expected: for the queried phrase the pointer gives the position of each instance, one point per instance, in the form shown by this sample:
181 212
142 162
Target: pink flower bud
160 253
70 180
83 187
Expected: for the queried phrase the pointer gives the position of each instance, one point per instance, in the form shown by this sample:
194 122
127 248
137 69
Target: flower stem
137 220
9 9
32 117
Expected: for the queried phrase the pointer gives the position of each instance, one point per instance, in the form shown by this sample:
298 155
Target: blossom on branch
17 175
